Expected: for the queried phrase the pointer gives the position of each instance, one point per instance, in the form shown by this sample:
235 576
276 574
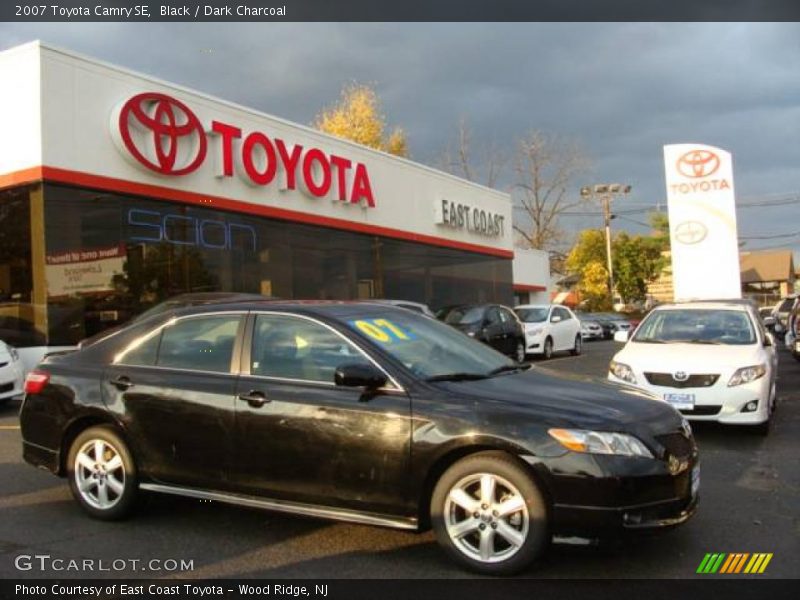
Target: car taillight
36 381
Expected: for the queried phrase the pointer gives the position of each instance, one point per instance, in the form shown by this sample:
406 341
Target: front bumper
719 402
607 495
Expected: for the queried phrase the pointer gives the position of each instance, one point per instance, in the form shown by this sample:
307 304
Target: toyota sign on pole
702 222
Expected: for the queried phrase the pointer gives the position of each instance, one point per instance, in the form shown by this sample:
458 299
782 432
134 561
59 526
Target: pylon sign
702 222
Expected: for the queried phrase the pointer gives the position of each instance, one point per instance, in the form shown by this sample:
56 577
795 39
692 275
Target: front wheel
489 515
102 474
547 352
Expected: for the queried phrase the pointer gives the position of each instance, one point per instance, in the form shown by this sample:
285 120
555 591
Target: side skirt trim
295 508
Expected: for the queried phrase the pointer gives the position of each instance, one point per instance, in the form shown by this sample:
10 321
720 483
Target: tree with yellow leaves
358 117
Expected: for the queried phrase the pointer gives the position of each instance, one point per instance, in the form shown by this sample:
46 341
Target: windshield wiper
457 377
649 341
507 368
710 342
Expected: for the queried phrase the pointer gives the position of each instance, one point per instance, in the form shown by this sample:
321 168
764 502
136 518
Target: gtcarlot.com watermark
45 563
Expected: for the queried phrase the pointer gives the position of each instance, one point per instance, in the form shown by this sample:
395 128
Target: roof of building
777 265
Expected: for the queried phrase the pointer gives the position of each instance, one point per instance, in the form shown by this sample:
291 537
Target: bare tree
546 168
457 158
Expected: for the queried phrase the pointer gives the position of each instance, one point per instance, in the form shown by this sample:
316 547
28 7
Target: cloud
622 89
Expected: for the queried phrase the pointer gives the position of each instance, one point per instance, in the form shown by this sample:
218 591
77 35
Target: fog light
751 406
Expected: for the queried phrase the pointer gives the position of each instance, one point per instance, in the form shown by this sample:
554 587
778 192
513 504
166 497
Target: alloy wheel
486 517
99 474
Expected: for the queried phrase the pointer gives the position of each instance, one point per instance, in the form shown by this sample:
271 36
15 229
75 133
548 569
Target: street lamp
606 193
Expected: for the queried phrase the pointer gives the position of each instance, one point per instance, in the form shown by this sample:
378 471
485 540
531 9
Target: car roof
333 308
535 306
706 305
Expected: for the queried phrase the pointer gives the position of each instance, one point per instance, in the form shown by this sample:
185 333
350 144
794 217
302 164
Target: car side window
493 317
289 347
565 316
144 354
199 343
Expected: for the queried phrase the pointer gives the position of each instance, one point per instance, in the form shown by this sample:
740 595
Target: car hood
560 400
692 358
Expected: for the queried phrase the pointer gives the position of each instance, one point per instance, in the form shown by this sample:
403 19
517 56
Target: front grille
677 444
6 387
693 381
702 411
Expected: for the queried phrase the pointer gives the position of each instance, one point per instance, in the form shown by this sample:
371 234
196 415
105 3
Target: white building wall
20 125
531 270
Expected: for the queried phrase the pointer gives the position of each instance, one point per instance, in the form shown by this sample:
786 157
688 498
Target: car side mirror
555 319
621 336
769 321
360 375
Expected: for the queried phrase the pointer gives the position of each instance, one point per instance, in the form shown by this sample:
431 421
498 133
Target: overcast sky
621 90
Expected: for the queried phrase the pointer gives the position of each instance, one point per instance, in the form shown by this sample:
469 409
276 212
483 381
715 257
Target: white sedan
711 361
11 373
550 328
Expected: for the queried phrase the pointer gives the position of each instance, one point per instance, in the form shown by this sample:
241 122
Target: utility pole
606 192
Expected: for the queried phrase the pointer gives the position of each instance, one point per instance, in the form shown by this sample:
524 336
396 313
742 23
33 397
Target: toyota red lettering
164 136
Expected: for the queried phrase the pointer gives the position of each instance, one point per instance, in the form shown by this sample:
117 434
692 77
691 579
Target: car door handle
122 383
254 398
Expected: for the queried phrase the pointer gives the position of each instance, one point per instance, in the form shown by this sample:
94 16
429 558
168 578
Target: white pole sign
702 222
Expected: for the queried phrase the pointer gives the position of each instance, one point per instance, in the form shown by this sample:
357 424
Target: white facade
68 116
532 283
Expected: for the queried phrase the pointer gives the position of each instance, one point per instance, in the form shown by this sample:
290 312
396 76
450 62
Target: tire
519 352
105 489
547 351
578 347
490 544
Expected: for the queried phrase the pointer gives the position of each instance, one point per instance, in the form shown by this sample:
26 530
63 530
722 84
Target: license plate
695 480
680 401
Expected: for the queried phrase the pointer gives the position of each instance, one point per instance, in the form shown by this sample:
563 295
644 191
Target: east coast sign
162 135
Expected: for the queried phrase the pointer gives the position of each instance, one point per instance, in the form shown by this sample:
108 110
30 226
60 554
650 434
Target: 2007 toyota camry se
360 412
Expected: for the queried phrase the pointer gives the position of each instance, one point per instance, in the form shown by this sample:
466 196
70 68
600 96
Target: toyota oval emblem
680 376
698 163
162 134
690 232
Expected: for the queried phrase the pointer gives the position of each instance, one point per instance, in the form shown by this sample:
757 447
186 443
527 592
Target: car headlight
471 333
13 352
747 374
535 330
622 371
600 442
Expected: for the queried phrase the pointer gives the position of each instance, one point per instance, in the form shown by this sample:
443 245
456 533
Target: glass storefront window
109 257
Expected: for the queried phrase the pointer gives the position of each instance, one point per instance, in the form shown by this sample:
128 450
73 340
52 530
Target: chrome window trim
120 356
396 387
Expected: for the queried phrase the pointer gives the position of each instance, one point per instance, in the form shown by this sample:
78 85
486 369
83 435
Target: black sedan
359 412
492 324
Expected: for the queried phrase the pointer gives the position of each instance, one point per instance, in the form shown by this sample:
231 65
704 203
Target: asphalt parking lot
750 502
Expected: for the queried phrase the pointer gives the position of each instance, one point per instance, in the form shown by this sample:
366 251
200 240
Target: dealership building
118 190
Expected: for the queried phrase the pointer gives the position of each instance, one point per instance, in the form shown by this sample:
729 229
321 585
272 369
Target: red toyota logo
162 133
698 163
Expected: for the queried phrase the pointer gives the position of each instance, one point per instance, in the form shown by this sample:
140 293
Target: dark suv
492 324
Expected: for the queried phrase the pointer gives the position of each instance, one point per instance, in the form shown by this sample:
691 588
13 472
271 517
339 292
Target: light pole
606 193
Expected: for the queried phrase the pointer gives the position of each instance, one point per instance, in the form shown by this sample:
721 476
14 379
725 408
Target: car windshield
465 315
697 326
429 348
532 315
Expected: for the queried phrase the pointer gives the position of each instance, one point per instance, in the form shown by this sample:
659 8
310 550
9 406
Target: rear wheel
489 515
547 352
102 474
519 351
578 347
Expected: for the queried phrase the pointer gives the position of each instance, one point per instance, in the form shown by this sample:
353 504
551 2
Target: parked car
318 408
492 324
11 373
781 312
712 361
767 317
590 330
611 323
550 328
792 338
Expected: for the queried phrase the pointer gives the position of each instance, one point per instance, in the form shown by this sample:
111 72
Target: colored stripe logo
734 563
